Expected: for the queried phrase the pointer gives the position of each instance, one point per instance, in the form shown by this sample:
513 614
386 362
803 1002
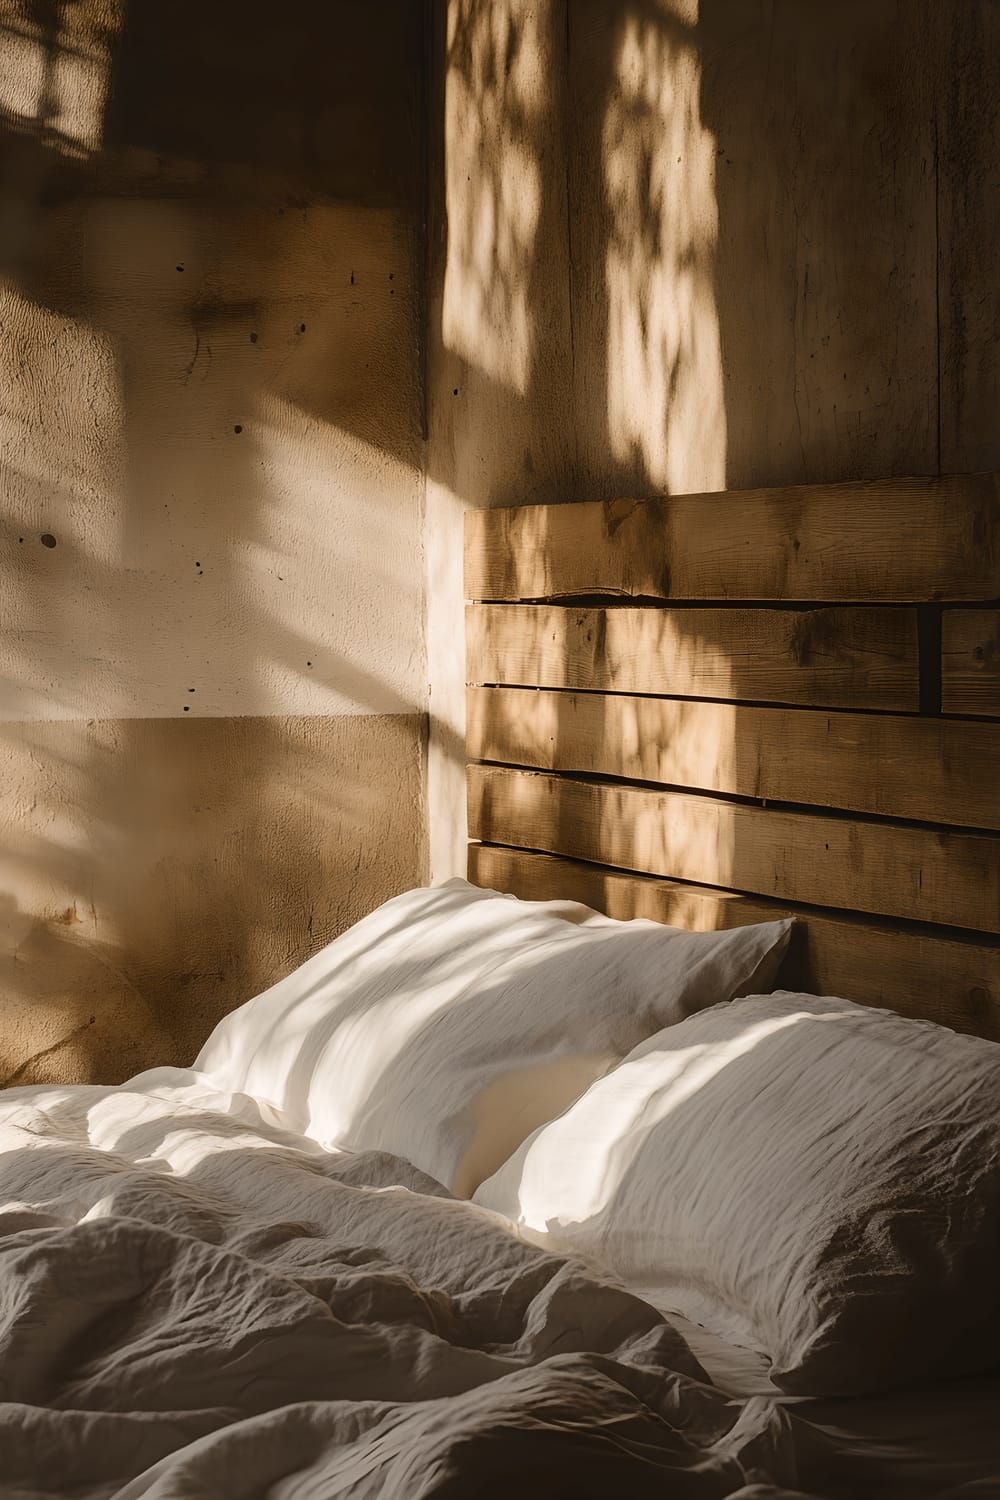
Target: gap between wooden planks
934 770
832 658
921 874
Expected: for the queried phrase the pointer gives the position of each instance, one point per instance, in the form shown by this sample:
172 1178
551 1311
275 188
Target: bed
764 726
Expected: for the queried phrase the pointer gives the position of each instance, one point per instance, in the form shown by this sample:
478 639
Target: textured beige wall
226 456
685 245
154 871
212 666
673 244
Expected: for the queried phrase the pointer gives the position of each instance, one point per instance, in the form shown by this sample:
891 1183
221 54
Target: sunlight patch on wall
232 509
686 846
336 587
60 408
62 465
316 609
665 381
691 749
54 73
496 85
443 543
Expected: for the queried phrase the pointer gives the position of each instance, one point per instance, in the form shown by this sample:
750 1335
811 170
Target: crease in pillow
816 1180
450 1022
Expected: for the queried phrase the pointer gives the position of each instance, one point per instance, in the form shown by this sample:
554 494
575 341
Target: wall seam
569 217
937 263
424 93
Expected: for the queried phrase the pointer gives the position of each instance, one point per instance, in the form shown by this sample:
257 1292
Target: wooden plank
916 972
934 770
833 658
970 662
967 175
887 869
882 540
737 340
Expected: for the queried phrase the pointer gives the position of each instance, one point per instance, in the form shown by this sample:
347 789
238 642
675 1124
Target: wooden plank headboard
712 709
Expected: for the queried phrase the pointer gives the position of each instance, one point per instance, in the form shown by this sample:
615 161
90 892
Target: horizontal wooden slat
970 662
832 658
935 770
883 868
897 539
916 973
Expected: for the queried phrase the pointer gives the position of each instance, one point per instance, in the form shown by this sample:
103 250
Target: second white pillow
811 1178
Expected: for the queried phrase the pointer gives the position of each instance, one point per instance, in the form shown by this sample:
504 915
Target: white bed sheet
941 1440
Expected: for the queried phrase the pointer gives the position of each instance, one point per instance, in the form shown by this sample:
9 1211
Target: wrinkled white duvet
197 1303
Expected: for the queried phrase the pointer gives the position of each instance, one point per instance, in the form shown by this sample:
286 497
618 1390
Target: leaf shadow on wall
208 773
703 296
574 327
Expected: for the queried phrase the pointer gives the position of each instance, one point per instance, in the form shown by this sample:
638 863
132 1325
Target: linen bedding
808 1177
451 1021
929 1440
196 1302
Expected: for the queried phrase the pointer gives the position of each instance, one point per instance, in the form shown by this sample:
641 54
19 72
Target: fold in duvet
195 1302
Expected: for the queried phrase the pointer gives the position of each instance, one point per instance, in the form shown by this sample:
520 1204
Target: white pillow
811 1178
450 1022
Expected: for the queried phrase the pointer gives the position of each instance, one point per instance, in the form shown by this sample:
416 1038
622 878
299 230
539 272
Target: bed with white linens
630 1166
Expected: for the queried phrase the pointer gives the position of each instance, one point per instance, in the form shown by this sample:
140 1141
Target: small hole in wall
20 538
187 708
302 328
47 539
190 690
308 663
180 268
455 391
237 428
253 338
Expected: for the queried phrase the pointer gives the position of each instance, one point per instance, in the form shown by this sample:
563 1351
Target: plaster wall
687 245
212 666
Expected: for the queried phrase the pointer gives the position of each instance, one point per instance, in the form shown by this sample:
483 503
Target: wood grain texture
753 248
968 229
917 973
970 664
826 249
933 770
829 543
886 869
834 658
